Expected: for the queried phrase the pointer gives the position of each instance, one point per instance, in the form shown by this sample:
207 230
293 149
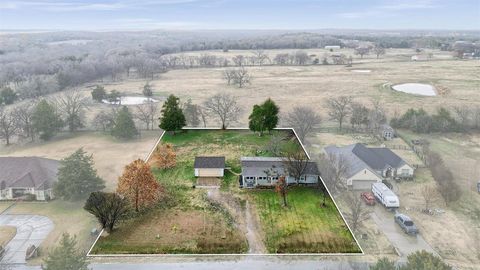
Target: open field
223 212
304 226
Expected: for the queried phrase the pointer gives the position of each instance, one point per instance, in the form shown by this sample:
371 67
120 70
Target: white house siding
405 169
364 175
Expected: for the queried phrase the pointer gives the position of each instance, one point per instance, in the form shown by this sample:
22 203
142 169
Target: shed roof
209 162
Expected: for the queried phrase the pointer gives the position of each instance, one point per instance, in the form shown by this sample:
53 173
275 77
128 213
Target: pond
416 89
131 100
361 70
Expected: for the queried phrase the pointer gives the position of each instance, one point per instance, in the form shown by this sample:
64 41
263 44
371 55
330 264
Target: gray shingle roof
261 166
209 162
359 157
28 172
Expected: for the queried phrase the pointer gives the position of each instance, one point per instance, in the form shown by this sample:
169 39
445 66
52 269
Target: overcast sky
239 14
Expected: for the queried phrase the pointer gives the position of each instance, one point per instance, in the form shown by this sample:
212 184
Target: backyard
199 220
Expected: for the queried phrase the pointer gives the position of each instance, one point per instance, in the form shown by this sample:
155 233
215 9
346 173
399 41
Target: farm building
27 176
332 47
387 132
366 166
209 166
265 171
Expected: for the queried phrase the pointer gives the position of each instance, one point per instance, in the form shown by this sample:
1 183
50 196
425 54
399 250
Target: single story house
366 166
21 176
387 132
209 166
265 171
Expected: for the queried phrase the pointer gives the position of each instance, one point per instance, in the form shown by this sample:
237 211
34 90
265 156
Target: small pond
131 100
416 89
361 70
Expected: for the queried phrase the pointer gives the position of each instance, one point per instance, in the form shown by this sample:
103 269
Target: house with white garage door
365 165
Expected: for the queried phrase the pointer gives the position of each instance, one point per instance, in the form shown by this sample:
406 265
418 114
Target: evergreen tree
264 117
383 264
98 93
147 90
172 118
7 96
423 260
66 256
124 127
46 120
76 177
270 110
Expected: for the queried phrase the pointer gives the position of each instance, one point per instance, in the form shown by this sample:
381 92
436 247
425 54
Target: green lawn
304 226
187 221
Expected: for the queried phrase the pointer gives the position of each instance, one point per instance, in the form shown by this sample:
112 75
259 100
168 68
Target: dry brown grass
6 234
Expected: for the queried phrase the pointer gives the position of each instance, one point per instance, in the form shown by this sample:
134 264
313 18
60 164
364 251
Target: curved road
31 230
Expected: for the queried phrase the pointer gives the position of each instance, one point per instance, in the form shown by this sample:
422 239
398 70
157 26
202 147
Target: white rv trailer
385 195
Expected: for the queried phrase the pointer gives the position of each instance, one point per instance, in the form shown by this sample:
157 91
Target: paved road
31 230
405 244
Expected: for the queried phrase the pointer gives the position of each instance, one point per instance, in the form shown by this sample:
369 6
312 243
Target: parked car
368 198
406 224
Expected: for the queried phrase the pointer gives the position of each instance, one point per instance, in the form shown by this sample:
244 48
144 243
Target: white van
385 195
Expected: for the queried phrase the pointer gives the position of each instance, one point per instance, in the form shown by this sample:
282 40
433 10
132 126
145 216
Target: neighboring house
265 171
21 176
209 166
366 166
387 132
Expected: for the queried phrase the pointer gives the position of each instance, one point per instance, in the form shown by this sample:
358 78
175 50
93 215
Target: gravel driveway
405 244
31 230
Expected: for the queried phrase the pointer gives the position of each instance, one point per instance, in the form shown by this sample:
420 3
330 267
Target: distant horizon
286 15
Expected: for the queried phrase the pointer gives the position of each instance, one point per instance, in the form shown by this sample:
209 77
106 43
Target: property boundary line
233 254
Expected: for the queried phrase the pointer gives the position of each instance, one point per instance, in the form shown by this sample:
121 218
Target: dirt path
245 219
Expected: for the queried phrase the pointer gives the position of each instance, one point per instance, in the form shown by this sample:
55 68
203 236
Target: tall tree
359 116
379 50
147 113
24 120
138 185
281 187
45 120
108 208
7 125
225 107
99 93
192 113
172 115
256 121
66 256
72 105
295 161
269 111
357 211
302 120
77 177
339 108
147 90
124 127
7 96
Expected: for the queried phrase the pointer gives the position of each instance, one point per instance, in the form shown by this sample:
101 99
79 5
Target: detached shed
209 166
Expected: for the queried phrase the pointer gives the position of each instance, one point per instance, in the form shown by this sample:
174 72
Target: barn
209 166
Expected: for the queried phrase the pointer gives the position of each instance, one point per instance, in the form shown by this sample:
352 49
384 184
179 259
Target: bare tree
429 195
334 169
301 58
105 120
147 113
274 146
339 108
377 116
359 115
241 77
72 105
239 60
362 51
302 120
7 125
23 120
357 211
379 50
261 56
225 107
295 162
229 75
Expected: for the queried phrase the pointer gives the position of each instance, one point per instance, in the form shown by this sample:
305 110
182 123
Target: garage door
362 184
210 172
